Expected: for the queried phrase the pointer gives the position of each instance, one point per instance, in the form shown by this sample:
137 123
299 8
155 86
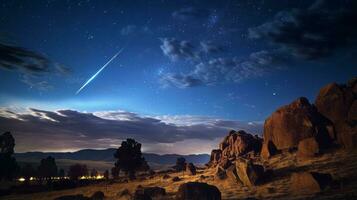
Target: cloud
69 129
31 65
220 70
176 49
312 33
190 13
25 61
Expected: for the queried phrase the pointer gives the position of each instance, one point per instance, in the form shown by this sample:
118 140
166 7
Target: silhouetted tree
77 170
115 172
27 172
106 174
180 164
8 165
47 168
129 157
94 173
61 173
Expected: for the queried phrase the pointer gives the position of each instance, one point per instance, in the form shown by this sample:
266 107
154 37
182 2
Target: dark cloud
22 60
176 49
220 70
31 65
40 129
312 33
190 13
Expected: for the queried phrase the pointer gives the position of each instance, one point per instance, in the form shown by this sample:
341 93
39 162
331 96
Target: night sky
189 70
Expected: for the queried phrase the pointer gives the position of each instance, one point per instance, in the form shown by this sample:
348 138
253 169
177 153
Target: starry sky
189 70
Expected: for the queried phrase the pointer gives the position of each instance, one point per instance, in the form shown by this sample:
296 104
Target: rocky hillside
301 131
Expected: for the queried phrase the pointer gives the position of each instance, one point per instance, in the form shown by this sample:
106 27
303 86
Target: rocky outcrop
309 182
197 190
290 124
338 103
235 145
308 148
249 174
190 169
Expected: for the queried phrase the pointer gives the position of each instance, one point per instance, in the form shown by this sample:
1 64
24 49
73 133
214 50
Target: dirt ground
342 165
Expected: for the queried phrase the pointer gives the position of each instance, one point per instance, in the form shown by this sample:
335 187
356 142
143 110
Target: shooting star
101 69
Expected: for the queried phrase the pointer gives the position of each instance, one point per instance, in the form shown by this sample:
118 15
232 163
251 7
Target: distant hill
106 155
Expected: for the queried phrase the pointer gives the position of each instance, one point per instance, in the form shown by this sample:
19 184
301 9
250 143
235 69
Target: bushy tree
77 170
129 157
115 172
47 168
180 164
8 164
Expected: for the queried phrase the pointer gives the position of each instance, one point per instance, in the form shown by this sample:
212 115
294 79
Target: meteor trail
101 69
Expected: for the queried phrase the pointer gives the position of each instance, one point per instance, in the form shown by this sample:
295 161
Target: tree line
129 160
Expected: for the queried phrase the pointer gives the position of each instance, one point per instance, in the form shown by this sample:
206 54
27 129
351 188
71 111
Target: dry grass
340 164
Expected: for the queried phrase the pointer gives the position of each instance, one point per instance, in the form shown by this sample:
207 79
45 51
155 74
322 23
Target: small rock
199 191
166 176
190 169
176 178
99 195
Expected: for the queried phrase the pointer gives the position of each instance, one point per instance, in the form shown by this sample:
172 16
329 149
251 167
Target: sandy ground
342 165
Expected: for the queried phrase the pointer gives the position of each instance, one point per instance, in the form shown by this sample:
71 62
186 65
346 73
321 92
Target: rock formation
290 124
235 145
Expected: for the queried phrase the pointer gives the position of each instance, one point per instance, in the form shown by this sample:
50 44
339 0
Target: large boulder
308 148
198 191
290 124
338 103
249 174
334 102
190 169
309 182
